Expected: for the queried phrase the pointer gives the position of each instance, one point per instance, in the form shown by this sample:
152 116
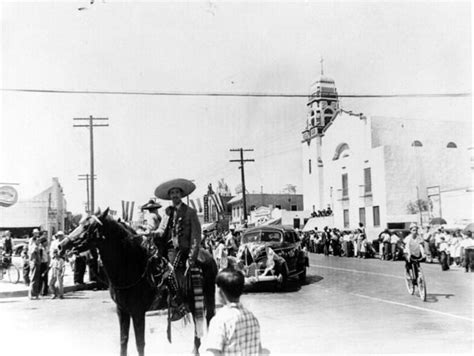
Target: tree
414 207
290 189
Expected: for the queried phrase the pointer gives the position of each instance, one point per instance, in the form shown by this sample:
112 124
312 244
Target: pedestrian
384 248
35 268
58 268
25 265
79 268
326 240
467 251
427 237
44 268
355 242
394 242
234 330
444 254
7 245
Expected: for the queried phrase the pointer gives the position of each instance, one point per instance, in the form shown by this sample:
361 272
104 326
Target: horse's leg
197 345
124 320
139 327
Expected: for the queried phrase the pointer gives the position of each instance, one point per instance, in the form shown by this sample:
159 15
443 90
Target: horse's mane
128 233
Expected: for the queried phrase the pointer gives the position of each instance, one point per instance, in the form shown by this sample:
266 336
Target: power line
230 94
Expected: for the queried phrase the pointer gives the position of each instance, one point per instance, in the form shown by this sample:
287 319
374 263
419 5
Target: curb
67 289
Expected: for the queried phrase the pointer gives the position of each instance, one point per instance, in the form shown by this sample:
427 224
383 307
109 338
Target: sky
239 47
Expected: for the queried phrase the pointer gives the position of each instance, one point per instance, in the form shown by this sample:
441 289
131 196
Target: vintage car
271 253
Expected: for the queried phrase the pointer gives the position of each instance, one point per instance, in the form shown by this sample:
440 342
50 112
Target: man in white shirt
467 252
413 248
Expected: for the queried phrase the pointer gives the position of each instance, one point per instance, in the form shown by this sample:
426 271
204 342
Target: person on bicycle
7 245
413 248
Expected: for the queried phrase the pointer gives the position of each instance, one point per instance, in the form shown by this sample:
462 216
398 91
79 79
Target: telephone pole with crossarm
241 167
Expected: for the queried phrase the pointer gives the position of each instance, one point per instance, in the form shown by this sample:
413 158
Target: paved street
348 306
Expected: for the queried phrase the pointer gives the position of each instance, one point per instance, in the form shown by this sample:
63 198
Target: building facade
374 169
291 202
46 211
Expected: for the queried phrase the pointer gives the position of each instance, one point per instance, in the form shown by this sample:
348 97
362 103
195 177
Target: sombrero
186 186
151 205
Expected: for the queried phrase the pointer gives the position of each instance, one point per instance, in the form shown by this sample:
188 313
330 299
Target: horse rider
153 218
178 236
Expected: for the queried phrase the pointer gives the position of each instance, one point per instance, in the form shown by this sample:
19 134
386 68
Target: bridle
93 229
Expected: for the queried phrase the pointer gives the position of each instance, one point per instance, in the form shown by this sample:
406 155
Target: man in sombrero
153 218
179 234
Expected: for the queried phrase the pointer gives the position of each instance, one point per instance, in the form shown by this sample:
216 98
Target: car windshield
270 236
251 237
262 236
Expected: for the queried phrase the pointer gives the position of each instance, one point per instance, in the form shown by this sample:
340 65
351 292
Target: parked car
271 253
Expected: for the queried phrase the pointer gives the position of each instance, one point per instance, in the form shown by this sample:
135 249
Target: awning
209 226
311 224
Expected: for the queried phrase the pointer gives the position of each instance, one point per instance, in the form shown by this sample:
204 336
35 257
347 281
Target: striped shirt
234 331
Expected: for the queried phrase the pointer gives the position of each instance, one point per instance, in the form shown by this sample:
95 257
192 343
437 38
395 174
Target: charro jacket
181 225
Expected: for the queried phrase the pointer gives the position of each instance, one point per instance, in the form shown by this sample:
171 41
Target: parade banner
206 208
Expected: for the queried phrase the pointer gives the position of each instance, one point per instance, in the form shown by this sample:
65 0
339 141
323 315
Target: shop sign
8 196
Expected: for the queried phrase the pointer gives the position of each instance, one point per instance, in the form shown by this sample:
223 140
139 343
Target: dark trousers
444 261
26 273
386 250
469 259
43 289
326 248
79 269
35 279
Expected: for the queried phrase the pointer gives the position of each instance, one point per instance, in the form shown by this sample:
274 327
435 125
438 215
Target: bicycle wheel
409 282
13 274
422 286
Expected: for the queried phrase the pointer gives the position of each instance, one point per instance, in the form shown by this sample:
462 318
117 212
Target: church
379 171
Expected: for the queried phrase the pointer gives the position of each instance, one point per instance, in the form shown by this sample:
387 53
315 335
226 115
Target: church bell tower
323 106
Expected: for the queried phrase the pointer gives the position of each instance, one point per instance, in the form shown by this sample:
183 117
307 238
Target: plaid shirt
234 331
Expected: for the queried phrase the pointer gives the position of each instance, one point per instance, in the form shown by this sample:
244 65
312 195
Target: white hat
60 233
35 230
186 186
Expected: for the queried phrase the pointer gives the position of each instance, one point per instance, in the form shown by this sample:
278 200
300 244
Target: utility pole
241 167
86 178
91 126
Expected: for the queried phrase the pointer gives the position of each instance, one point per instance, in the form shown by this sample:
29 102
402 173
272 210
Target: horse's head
87 234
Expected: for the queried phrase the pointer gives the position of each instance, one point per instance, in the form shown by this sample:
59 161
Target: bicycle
416 279
8 268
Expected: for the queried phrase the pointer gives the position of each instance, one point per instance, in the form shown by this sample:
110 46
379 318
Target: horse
127 264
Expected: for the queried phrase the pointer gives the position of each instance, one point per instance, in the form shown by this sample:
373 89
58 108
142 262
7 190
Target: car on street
271 253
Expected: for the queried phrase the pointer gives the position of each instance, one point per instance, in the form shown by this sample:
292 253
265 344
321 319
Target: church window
452 145
309 166
416 143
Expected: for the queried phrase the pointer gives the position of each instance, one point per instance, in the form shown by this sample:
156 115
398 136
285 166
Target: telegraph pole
241 167
91 126
86 178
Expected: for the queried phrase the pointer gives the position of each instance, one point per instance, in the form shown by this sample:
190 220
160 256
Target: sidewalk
10 290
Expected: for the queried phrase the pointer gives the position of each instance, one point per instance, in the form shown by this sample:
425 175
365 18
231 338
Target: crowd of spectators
43 267
453 248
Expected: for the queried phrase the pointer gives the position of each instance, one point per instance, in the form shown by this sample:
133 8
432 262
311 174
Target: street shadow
433 298
8 301
313 279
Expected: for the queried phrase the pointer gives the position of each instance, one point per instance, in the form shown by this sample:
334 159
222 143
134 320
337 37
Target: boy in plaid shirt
58 267
234 330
